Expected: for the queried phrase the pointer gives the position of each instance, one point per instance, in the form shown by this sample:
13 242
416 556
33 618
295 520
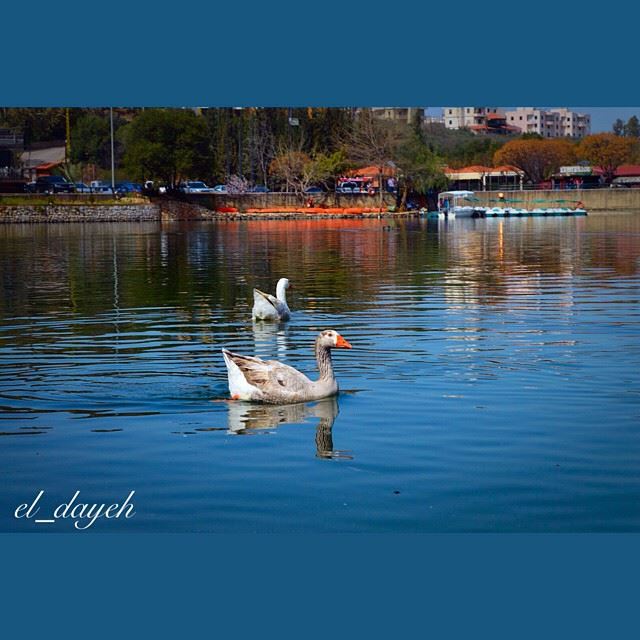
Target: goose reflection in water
248 419
270 334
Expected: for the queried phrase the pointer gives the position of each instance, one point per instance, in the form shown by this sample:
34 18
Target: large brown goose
272 382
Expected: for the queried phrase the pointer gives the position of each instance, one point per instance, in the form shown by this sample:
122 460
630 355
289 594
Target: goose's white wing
265 306
255 379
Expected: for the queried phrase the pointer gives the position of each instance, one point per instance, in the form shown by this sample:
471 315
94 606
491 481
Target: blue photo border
307 586
205 54
287 53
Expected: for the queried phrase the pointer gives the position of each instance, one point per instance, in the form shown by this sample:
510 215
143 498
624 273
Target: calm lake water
493 385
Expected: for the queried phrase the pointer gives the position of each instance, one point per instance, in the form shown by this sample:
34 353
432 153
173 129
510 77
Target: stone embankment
138 212
58 209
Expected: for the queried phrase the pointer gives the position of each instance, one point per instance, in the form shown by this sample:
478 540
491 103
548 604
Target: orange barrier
302 210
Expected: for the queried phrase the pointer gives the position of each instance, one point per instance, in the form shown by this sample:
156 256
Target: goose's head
283 283
333 340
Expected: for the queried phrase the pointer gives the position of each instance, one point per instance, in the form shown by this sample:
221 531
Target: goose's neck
323 358
281 292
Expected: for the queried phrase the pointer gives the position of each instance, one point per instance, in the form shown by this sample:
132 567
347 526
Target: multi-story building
466 117
550 123
403 114
11 144
533 120
574 125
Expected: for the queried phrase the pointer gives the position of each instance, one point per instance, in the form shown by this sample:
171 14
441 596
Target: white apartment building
575 125
462 117
550 123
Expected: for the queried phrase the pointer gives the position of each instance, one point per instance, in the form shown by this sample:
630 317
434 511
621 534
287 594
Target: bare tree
299 170
373 142
262 147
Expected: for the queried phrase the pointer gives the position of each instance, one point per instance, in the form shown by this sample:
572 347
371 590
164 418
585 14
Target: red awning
47 166
372 171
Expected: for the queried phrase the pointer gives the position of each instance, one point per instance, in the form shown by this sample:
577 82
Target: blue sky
601 117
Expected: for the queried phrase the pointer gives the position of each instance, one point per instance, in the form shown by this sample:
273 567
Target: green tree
618 127
90 140
168 145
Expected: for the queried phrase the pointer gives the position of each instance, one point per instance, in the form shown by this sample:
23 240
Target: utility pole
240 136
67 146
113 160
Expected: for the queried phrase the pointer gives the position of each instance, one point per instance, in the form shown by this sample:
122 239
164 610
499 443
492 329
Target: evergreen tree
632 128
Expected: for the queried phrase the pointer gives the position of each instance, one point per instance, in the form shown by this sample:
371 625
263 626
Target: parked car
314 189
195 186
81 187
100 186
220 188
259 188
349 187
50 184
128 187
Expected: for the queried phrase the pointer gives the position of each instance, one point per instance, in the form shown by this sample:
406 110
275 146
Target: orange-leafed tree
607 151
538 158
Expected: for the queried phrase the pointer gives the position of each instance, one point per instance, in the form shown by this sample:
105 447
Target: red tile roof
624 170
478 168
372 171
628 170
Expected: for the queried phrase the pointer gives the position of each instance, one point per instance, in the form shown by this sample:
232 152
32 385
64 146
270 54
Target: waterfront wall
182 210
33 209
592 199
173 210
79 213
164 209
275 199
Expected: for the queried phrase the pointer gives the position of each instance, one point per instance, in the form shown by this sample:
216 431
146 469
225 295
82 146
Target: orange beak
341 343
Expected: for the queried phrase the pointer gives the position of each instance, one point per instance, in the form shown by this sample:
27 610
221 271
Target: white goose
272 382
273 308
